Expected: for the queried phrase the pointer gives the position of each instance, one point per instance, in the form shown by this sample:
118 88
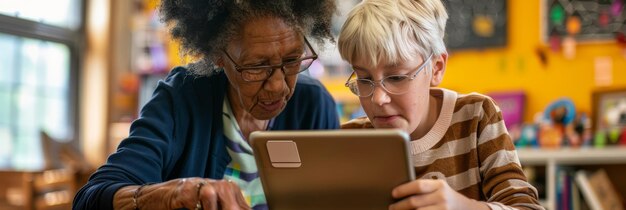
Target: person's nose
379 95
276 82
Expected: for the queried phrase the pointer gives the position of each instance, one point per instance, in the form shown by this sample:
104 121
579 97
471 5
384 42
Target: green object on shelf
614 135
600 140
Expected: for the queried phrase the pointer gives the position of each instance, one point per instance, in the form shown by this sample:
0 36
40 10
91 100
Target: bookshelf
552 159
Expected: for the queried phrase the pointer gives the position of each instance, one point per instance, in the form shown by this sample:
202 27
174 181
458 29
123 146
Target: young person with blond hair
463 155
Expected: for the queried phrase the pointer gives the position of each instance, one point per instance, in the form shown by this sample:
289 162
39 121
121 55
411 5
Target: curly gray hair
204 27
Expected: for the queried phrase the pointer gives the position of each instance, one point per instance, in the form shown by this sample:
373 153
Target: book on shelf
565 193
575 201
598 191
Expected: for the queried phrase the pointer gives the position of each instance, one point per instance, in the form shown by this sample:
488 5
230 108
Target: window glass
62 13
34 97
7 58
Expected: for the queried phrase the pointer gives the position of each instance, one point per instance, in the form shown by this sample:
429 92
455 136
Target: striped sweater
471 149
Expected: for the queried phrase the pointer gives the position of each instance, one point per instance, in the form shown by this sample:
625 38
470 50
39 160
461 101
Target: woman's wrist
133 197
136 195
123 198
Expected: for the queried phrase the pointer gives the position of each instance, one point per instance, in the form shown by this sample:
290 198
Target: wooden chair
37 190
51 188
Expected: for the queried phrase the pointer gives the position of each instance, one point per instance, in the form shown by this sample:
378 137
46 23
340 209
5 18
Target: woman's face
404 111
263 41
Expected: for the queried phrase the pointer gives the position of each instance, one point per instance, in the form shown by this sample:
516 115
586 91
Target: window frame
75 42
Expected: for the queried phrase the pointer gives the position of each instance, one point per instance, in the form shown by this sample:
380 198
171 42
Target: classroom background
75 73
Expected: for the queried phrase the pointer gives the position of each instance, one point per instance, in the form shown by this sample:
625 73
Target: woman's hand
431 194
189 193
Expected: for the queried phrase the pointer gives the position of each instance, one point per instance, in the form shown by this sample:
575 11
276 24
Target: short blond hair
393 31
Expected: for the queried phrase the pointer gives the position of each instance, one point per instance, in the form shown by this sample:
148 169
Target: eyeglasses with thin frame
393 84
262 72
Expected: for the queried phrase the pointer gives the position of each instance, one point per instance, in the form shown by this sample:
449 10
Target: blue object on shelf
570 110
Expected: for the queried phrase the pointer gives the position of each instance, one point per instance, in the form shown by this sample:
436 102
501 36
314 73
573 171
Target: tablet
339 169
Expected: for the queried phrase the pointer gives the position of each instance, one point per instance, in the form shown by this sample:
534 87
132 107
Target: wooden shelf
573 156
552 159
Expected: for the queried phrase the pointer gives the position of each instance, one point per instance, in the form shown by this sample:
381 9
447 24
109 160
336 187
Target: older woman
189 148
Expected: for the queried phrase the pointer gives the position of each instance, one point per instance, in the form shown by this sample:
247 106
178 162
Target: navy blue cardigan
179 134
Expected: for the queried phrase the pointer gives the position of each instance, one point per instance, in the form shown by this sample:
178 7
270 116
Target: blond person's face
264 41
402 111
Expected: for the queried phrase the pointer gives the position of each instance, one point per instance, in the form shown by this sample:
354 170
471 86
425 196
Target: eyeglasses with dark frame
393 84
263 72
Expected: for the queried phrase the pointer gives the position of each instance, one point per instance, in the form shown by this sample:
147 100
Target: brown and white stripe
470 148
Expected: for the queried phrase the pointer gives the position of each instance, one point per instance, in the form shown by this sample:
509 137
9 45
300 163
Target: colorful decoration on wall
476 24
584 19
617 8
555 42
557 14
569 47
621 41
573 24
542 56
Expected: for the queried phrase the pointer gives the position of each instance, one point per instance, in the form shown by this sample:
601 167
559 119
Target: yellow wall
517 67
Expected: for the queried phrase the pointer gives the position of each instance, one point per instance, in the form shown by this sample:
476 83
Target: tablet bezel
315 185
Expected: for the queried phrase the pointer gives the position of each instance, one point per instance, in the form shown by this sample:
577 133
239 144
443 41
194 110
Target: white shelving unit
552 158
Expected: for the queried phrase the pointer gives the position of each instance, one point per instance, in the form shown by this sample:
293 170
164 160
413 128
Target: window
38 64
61 13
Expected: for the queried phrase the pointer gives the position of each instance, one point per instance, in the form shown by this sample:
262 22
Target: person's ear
439 68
